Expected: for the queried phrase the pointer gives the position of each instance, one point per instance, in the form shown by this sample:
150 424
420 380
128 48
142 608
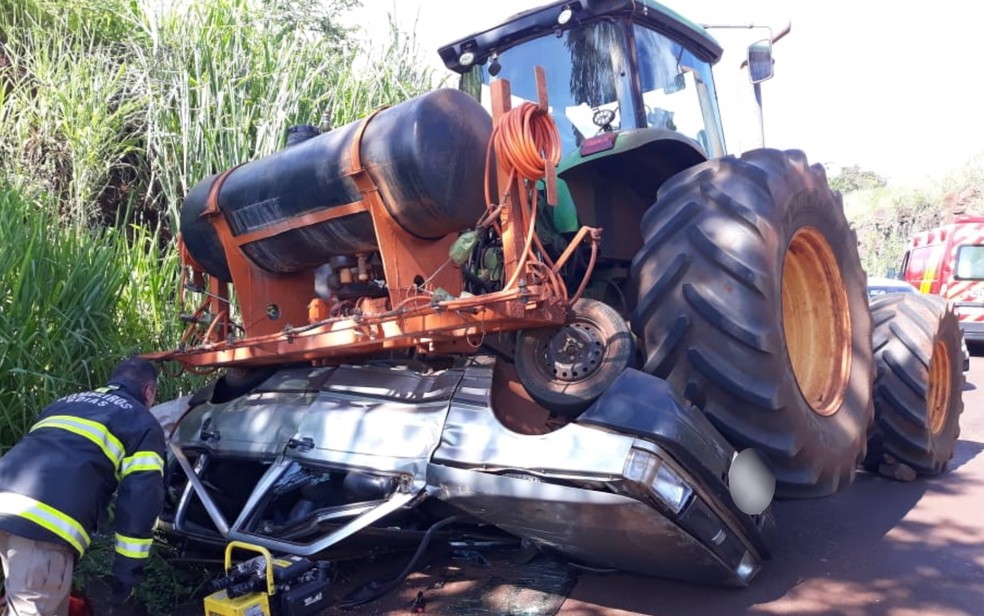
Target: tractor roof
536 22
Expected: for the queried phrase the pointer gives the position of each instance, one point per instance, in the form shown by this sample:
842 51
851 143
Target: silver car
311 460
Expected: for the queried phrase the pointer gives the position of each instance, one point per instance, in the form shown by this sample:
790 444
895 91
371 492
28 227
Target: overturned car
313 460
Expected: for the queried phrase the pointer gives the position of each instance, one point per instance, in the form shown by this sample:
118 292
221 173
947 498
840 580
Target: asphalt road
878 548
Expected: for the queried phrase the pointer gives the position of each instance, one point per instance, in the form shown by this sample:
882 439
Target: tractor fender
613 187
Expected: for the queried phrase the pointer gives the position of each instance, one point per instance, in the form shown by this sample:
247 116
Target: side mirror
760 61
892 273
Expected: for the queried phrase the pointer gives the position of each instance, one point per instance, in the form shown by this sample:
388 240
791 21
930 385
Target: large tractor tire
919 382
750 300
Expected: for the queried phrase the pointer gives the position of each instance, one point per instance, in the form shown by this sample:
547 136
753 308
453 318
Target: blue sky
875 83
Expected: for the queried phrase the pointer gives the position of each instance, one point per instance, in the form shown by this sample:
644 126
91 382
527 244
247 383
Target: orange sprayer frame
281 323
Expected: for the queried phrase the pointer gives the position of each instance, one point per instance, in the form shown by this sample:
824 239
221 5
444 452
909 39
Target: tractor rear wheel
750 301
918 389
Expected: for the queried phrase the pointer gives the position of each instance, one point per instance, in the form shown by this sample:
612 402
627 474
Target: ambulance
949 261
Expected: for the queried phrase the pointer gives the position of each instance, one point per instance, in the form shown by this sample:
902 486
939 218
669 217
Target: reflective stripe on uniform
142 461
132 547
47 517
92 430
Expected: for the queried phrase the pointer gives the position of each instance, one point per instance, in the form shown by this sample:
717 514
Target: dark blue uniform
58 480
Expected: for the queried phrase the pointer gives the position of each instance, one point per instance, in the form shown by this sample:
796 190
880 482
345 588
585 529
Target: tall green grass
71 108
110 110
62 324
116 103
231 100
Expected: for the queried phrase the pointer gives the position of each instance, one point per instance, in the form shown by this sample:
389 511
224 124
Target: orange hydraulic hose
585 232
587 273
526 138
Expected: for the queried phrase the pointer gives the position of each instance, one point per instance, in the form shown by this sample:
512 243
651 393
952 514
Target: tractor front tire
919 383
750 300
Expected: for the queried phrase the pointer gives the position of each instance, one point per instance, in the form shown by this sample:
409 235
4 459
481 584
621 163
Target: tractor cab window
587 70
592 85
678 90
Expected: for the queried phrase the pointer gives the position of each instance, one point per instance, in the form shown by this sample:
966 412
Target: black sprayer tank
426 155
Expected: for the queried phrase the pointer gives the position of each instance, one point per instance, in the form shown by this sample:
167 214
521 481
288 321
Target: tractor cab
611 65
630 88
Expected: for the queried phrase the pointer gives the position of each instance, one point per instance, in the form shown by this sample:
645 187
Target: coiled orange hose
527 140
526 137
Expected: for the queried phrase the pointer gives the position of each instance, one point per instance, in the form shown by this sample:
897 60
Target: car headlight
661 481
747 568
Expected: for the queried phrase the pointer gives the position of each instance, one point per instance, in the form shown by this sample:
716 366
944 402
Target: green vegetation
851 179
110 110
73 301
886 217
166 587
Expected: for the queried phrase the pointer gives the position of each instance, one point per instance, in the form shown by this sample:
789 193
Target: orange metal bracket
511 216
550 180
408 261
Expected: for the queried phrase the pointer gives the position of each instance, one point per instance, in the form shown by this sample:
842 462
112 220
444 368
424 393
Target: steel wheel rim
938 397
578 363
816 321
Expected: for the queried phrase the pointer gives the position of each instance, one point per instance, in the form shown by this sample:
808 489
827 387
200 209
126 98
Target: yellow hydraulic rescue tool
268 586
256 603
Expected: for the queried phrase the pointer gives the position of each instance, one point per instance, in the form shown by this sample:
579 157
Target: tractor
547 304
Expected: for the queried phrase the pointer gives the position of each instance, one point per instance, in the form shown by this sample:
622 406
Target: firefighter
58 480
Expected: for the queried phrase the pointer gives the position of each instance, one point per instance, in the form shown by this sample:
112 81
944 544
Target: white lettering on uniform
98 399
118 401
